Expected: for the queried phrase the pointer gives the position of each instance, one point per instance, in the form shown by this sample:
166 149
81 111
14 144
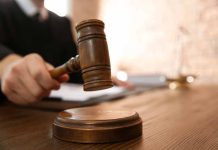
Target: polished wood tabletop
172 119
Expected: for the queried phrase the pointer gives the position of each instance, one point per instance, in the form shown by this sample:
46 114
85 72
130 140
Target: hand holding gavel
29 78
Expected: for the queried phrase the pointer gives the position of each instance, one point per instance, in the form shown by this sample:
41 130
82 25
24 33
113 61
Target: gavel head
93 55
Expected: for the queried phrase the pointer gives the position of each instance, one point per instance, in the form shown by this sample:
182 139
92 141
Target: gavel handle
57 72
71 65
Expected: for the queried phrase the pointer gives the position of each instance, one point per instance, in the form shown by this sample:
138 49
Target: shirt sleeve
4 50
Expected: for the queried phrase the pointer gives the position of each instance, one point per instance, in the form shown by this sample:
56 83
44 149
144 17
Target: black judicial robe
20 34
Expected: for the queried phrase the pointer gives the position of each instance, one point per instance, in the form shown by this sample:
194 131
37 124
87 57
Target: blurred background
169 37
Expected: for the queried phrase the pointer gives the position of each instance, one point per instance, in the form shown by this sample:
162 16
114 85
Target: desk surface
171 120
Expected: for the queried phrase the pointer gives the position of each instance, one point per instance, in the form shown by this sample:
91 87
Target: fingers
12 95
17 99
28 80
39 72
15 91
63 78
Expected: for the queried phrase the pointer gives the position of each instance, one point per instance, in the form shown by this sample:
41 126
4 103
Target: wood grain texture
171 120
94 125
94 55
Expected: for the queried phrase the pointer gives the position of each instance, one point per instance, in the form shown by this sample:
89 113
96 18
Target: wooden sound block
91 125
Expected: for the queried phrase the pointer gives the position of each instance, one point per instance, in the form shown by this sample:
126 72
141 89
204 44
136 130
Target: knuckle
37 75
15 69
34 56
36 68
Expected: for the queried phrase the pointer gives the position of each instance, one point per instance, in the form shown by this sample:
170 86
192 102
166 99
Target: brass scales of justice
90 125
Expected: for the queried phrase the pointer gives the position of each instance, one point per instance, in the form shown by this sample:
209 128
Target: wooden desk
171 120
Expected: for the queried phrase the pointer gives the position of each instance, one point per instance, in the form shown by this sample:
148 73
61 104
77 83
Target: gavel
93 59
93 125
